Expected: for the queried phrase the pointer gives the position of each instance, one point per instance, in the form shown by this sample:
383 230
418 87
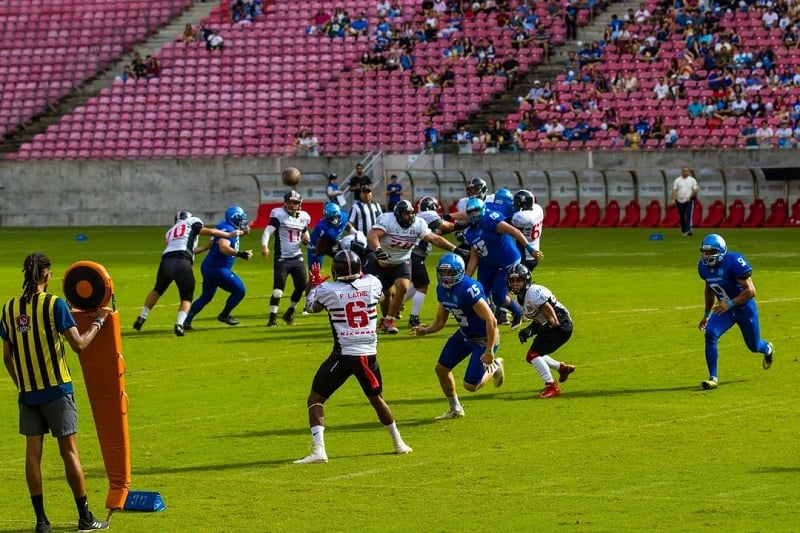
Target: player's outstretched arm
438 323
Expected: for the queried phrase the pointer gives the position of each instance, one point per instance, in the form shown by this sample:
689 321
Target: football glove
381 254
463 253
317 279
525 334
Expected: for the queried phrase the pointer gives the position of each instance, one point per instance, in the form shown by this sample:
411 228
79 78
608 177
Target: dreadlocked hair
33 269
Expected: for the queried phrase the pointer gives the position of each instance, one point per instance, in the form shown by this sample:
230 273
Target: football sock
292 304
393 431
273 309
318 434
38 508
83 507
416 306
409 294
145 312
181 317
552 363
454 403
542 369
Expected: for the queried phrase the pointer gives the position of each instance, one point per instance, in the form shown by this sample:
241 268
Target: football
290 176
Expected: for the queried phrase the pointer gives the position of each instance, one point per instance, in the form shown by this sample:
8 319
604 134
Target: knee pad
277 293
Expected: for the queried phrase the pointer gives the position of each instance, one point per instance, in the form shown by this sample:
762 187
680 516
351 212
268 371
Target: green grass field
633 444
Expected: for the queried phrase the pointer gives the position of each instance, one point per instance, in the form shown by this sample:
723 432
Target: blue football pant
746 317
213 279
456 349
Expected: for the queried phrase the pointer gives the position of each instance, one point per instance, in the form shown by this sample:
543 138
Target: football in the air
290 176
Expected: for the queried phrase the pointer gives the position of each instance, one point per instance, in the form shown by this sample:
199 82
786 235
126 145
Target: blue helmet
713 249
450 270
475 210
504 201
331 213
236 217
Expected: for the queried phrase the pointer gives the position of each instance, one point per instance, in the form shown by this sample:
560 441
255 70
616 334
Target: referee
365 211
32 326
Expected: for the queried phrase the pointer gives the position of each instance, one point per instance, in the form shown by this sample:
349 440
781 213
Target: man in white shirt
684 191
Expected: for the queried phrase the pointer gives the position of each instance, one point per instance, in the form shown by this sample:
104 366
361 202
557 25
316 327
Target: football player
476 336
429 210
351 301
528 217
176 265
291 223
550 329
728 282
493 252
325 237
217 269
391 240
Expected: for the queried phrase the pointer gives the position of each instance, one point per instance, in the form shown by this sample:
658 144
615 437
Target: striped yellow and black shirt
33 330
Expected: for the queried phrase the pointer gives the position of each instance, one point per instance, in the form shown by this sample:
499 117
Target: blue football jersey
328 231
494 249
722 278
217 259
459 300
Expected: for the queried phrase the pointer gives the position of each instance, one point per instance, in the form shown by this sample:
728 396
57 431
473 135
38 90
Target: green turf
633 444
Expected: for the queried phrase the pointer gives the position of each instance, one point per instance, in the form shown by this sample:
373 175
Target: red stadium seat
755 218
794 219
672 218
633 212
552 214
778 213
735 215
697 213
591 215
572 215
611 216
652 215
715 216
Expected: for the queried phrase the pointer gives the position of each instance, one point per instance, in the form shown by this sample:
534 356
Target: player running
528 217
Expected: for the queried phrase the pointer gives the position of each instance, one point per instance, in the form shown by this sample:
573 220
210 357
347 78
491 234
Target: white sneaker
499 375
401 448
452 413
318 455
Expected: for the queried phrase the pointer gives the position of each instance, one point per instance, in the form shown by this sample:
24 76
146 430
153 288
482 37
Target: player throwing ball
551 328
351 301
476 336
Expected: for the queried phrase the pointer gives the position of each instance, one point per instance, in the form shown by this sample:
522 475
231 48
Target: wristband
242 255
447 217
530 248
708 314
730 303
98 322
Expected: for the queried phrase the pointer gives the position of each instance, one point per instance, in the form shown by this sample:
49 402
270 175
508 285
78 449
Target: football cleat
401 448
138 323
228 320
413 321
273 321
710 383
179 330
389 327
564 370
91 524
288 316
767 362
502 317
458 412
382 324
499 375
550 391
187 326
43 527
516 322
318 455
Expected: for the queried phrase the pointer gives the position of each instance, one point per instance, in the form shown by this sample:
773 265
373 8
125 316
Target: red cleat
550 391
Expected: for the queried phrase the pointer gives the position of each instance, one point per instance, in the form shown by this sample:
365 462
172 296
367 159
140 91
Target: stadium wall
149 192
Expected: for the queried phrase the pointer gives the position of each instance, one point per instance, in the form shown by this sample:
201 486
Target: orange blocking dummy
87 287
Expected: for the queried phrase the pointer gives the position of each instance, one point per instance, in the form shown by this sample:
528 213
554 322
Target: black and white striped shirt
363 216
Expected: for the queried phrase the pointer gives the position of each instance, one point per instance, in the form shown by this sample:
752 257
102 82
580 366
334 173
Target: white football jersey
461 205
398 241
535 298
289 229
430 218
353 311
530 224
182 237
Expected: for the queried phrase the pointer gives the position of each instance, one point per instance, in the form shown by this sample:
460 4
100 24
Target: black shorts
284 268
388 274
419 272
552 339
337 368
177 267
